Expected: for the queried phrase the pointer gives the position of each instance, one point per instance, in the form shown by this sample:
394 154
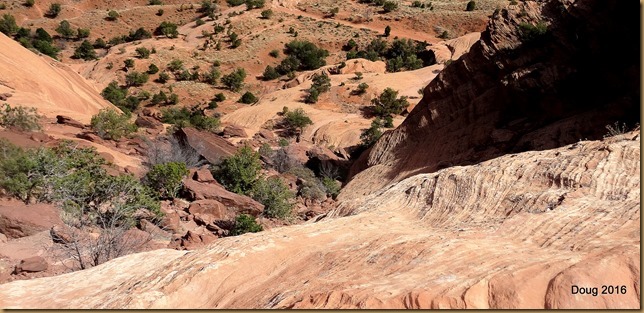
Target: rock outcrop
513 232
212 147
517 90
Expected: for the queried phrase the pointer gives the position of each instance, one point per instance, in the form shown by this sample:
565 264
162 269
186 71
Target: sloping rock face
212 147
513 232
511 93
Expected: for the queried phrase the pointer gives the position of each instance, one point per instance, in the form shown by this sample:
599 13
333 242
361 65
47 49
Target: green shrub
270 73
113 15
248 98
239 172
21 118
165 178
82 33
153 69
282 142
389 6
65 29
388 104
155 2
372 134
332 186
531 32
184 117
129 63
295 121
254 4
311 187
160 12
114 94
471 6
212 76
135 78
167 29
235 80
207 7
387 31
321 83
234 3
109 124
54 10
175 65
99 43
163 77
266 14
219 97
142 52
274 195
308 54
245 223
85 51
30 3
8 25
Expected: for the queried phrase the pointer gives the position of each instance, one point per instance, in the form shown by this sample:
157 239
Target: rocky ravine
513 94
512 232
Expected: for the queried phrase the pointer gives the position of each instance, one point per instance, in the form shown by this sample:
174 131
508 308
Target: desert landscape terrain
298 154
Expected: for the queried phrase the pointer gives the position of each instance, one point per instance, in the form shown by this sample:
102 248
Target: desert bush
166 178
234 3
372 134
387 31
332 186
30 3
135 78
308 54
295 121
266 14
65 30
113 15
362 88
530 32
142 52
254 4
111 125
175 65
184 117
114 94
389 6
166 150
153 69
245 223
163 78
212 76
167 29
239 172
471 6
270 73
128 63
387 104
311 187
235 80
274 195
248 98
85 51
19 117
8 25
82 33
54 10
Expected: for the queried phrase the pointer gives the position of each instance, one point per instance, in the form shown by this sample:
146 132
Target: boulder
212 191
148 122
234 131
62 119
212 147
32 265
19 220
5 96
152 112
203 175
89 136
266 134
171 222
61 234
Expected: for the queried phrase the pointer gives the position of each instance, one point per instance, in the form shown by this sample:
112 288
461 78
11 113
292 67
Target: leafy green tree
85 51
239 172
111 125
165 179
296 121
274 195
245 223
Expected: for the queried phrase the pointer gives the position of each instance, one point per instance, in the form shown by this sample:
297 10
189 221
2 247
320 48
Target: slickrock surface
512 232
49 86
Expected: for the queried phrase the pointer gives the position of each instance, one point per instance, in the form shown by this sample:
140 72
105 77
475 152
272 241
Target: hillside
45 84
